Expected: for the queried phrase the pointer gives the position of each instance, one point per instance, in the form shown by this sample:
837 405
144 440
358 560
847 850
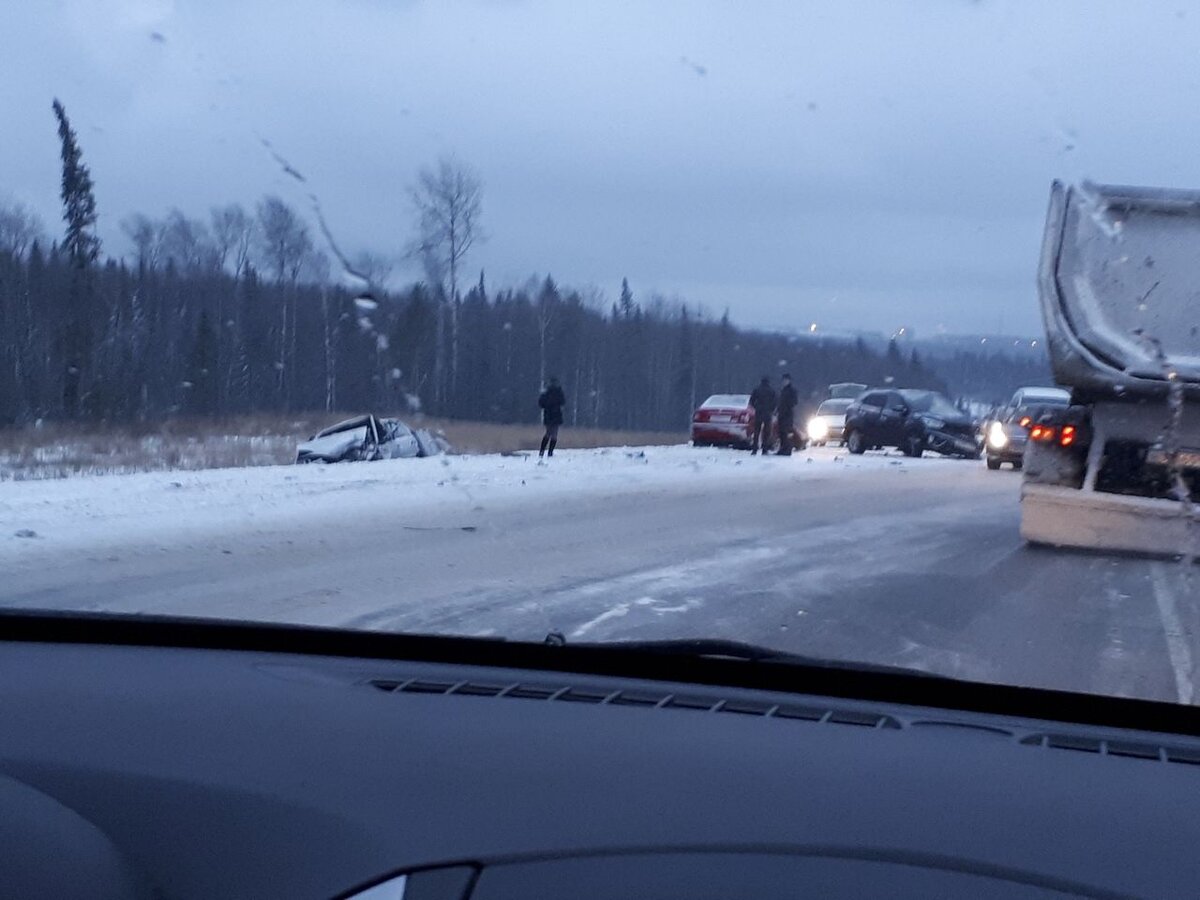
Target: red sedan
725 420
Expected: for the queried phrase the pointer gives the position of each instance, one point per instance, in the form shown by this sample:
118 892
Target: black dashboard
193 760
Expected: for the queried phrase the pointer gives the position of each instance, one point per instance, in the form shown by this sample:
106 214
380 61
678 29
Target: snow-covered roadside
92 512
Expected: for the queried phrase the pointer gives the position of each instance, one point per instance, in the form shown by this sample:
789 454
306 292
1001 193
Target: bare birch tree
19 228
286 248
448 201
146 236
234 233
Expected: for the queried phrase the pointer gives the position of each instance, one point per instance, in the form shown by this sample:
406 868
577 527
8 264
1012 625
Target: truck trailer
1119 286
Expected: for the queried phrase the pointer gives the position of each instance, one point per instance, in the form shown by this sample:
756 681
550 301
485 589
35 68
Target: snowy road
882 559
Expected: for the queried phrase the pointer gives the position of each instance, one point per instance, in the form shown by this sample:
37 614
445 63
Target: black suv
913 421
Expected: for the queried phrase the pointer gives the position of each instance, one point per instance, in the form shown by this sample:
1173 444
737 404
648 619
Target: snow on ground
116 454
90 512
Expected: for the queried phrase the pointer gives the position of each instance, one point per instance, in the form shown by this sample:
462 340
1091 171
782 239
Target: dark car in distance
912 421
1008 432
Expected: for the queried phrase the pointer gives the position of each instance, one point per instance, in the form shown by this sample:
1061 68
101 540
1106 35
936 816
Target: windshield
929 402
1031 399
508 251
833 407
729 401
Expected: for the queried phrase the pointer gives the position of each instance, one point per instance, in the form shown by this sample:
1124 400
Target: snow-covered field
125 454
92 512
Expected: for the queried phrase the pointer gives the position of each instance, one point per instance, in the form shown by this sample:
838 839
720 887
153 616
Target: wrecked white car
366 438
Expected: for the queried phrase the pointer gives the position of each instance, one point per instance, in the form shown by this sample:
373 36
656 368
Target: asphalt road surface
916 566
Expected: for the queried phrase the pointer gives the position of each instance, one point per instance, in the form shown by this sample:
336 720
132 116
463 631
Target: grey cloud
851 163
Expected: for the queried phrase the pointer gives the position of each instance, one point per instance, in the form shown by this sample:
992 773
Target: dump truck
1119 286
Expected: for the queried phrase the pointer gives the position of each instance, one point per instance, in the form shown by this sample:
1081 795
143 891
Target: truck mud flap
1090 520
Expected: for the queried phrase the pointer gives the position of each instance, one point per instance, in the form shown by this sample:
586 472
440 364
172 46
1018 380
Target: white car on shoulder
829 422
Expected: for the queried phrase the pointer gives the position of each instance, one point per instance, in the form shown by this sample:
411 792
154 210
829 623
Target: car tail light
1025 420
1067 438
1043 432
744 416
700 416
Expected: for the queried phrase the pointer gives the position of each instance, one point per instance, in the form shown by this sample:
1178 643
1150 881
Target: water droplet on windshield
1100 213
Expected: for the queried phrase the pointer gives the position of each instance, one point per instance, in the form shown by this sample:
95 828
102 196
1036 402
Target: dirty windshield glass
718 400
929 402
833 407
511 319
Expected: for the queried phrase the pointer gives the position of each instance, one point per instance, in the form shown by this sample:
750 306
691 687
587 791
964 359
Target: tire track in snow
699 590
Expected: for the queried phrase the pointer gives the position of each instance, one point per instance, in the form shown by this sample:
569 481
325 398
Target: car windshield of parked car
726 401
613 322
929 402
1031 399
833 407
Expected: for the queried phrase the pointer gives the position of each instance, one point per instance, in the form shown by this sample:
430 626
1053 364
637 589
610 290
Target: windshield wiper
715 648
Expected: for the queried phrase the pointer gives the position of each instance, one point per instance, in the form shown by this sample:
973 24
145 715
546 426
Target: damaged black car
913 421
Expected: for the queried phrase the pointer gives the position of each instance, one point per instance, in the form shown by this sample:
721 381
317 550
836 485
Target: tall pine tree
201 391
626 303
79 201
82 248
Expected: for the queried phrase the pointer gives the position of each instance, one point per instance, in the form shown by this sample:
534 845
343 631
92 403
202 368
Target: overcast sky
860 165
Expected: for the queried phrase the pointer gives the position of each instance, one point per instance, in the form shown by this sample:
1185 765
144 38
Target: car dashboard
189 760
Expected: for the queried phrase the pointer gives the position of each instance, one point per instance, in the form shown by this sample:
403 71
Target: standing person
762 401
787 415
552 401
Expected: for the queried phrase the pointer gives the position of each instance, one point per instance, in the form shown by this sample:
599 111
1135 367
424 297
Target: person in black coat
552 401
762 401
788 398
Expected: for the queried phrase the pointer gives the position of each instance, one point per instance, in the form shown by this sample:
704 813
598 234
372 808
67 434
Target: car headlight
818 429
997 436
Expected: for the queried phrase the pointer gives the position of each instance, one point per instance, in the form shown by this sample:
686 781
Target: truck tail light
1043 433
1065 436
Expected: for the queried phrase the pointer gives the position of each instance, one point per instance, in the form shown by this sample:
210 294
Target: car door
870 406
892 418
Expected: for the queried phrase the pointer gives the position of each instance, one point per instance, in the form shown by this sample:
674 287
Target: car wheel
1017 466
855 443
701 444
993 464
914 446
